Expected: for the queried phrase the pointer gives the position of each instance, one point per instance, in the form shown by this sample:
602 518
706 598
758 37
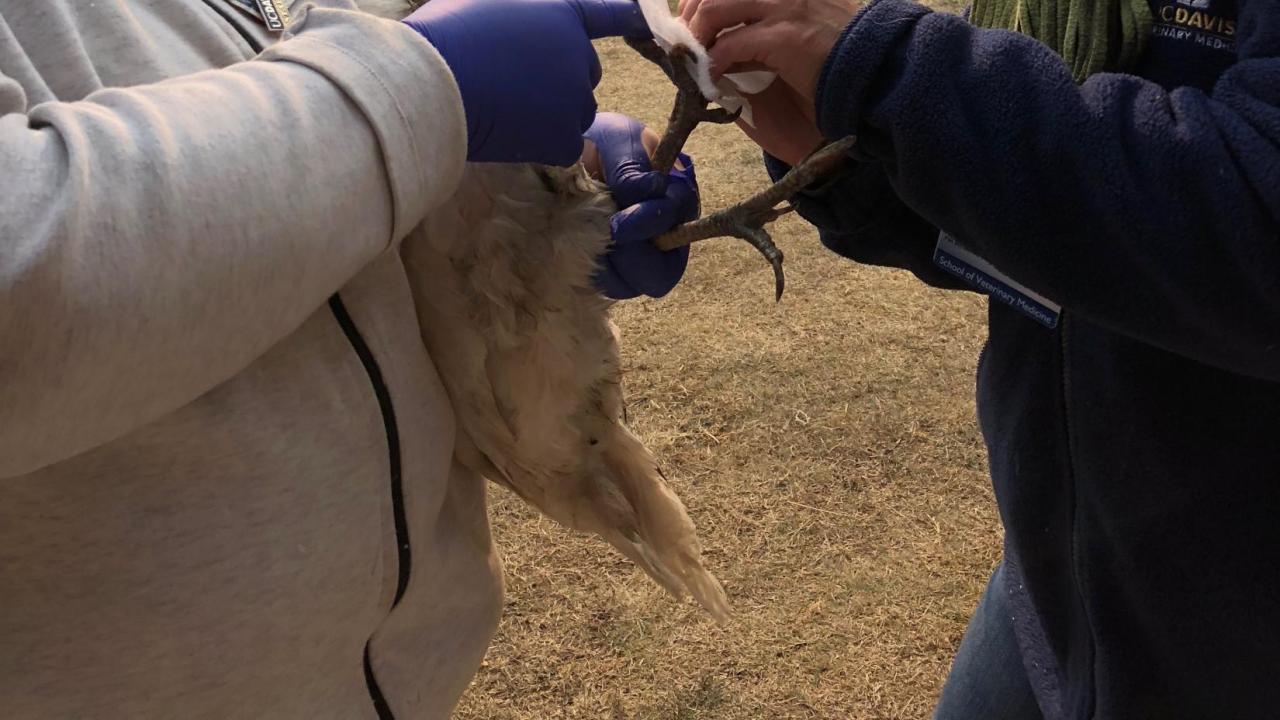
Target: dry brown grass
826 448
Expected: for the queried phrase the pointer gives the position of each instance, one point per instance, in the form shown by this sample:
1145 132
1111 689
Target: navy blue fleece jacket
1134 448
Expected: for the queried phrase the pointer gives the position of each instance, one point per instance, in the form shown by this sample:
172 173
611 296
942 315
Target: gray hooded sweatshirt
226 485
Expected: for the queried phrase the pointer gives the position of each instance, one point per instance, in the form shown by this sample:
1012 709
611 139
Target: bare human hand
784 123
790 37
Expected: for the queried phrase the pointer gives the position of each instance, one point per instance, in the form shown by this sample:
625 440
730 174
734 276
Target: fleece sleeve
1153 212
155 240
859 215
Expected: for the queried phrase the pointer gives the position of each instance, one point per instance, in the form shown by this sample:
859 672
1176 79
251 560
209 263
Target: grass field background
826 447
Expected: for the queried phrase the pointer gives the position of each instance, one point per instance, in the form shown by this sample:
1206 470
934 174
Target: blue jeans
987 680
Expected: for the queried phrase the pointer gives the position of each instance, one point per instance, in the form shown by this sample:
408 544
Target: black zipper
371 368
1077 567
403 555
219 8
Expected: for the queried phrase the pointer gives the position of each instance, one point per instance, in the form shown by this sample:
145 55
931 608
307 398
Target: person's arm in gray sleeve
155 240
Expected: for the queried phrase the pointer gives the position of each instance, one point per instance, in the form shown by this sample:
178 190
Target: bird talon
752 230
720 116
650 51
748 218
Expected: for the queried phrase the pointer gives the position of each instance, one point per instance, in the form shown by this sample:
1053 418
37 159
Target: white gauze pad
669 31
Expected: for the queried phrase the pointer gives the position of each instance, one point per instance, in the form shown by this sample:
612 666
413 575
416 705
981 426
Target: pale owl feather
501 277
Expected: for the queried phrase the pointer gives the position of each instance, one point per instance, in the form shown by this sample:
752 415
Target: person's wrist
816 56
861 61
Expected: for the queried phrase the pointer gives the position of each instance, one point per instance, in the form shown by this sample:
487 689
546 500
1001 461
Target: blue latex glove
652 203
526 70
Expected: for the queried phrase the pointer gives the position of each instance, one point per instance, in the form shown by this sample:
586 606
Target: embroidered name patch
1195 21
275 14
983 276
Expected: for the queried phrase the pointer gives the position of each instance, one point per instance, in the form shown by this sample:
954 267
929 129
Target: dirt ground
826 447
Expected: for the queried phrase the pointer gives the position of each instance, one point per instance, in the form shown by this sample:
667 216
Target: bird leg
745 220
691 107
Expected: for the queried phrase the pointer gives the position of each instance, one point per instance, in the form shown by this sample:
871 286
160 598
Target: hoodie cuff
856 67
404 89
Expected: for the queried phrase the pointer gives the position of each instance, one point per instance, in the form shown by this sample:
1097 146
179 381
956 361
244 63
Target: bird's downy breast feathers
521 339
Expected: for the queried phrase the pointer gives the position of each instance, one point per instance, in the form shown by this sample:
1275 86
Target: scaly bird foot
747 219
691 106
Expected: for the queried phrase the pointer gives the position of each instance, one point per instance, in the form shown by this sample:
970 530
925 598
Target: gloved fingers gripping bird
521 338
683 59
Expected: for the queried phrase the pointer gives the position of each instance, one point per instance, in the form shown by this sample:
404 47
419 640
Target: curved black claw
760 240
720 116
